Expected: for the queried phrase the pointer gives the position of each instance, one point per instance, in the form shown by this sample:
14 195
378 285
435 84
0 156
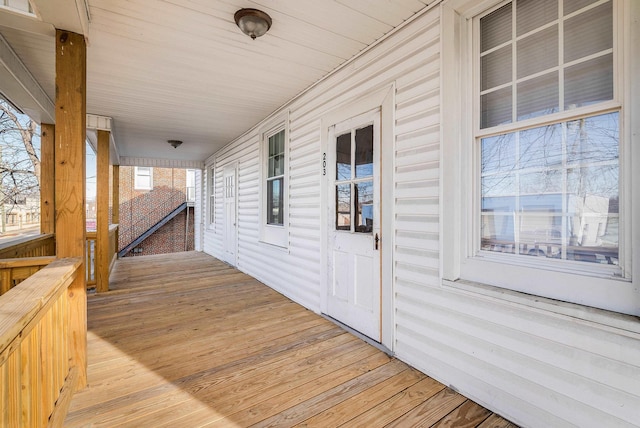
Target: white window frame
277 235
137 177
462 265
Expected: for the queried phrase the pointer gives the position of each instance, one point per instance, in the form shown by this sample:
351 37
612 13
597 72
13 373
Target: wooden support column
115 202
47 178
102 199
70 166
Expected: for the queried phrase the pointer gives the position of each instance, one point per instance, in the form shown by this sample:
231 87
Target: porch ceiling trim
161 163
21 88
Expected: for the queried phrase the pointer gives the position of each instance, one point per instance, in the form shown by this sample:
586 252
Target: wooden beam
102 241
115 202
71 110
47 178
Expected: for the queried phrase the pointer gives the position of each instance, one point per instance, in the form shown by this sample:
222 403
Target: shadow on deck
185 340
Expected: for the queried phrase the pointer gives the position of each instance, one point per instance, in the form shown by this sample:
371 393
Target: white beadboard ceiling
181 69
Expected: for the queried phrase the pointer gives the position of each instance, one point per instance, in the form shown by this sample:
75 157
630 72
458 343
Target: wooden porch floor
186 341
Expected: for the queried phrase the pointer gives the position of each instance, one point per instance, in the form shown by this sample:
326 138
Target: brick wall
141 209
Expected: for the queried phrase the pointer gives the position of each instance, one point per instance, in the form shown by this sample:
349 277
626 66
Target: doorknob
376 239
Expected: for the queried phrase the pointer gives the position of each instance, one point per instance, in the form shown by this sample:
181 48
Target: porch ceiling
181 69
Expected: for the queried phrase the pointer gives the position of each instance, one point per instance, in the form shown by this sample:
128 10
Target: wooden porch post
47 178
70 164
102 199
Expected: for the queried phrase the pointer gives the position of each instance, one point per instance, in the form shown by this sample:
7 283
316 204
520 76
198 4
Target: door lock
376 239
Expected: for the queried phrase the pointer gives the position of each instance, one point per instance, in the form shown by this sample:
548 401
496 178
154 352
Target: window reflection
343 207
547 196
364 206
364 152
343 157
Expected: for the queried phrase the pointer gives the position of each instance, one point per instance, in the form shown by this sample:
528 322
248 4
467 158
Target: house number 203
324 164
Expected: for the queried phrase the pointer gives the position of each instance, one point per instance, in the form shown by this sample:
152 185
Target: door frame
382 98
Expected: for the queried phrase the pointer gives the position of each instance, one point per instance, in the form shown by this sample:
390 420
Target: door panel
354 288
230 228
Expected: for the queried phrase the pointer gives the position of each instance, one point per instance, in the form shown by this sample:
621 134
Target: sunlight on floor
165 405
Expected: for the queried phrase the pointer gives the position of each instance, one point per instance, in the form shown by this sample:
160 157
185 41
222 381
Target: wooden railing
92 237
42 245
42 356
14 271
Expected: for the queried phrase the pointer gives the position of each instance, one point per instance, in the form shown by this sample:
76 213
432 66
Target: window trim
458 96
136 183
274 234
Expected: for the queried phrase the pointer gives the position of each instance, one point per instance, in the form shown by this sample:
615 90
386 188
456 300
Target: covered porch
185 340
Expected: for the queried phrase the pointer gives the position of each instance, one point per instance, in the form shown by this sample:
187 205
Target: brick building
149 196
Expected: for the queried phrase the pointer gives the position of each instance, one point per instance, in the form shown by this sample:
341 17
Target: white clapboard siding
536 367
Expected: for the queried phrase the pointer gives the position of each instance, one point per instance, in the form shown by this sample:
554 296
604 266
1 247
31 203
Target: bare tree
19 161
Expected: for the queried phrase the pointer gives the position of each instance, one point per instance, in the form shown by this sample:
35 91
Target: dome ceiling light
252 22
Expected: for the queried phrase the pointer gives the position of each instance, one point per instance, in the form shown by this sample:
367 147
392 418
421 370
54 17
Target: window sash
558 67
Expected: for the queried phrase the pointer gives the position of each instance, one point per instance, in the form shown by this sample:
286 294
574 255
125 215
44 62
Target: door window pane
364 152
364 206
343 157
343 206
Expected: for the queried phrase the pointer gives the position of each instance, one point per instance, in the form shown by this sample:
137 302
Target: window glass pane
560 198
497 233
498 153
276 143
276 155
537 52
571 6
495 28
593 139
589 32
541 147
275 207
364 152
532 14
343 157
494 186
538 96
496 68
496 108
343 206
589 82
541 183
364 206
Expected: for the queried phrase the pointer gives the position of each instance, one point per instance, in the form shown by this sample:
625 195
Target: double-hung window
274 192
546 151
143 179
548 140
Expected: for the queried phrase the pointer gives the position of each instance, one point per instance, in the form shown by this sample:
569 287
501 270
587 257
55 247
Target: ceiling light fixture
252 22
174 143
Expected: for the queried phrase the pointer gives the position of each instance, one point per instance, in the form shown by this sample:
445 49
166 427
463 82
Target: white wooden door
354 253
230 221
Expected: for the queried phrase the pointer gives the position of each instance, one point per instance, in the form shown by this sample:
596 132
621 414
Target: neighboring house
148 196
456 193
25 212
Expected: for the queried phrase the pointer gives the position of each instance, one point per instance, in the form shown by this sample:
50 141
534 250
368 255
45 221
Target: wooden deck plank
185 340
